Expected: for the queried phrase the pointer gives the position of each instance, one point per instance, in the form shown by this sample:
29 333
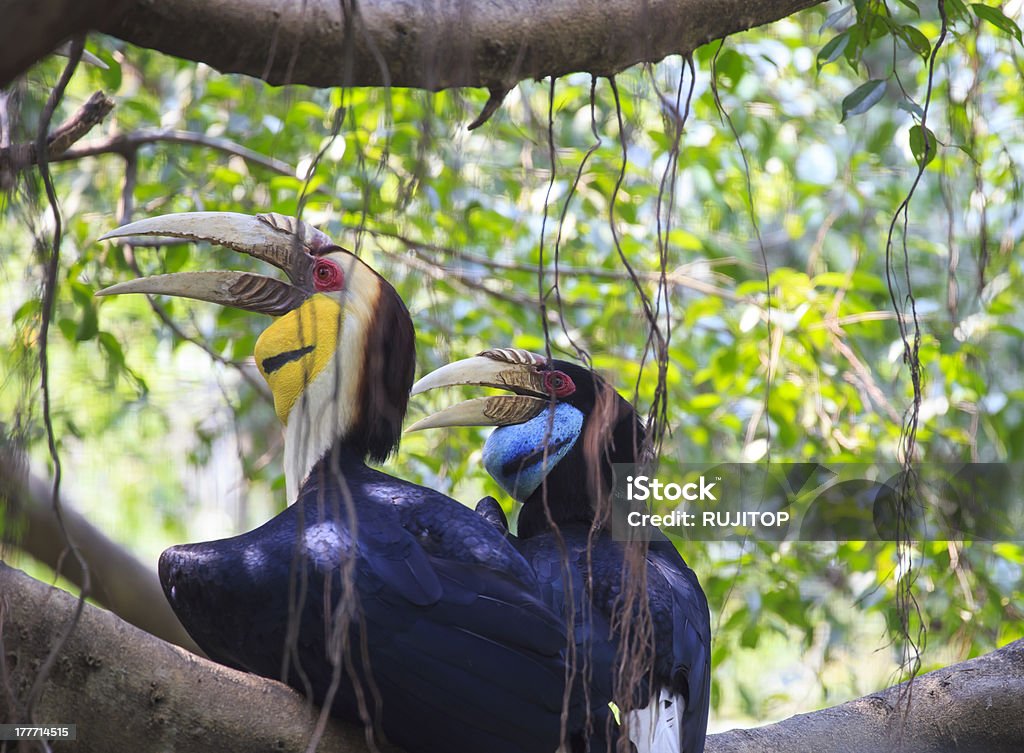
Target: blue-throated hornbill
556 456
390 602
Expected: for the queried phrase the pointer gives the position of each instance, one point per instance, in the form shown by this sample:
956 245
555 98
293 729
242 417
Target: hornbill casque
392 603
555 455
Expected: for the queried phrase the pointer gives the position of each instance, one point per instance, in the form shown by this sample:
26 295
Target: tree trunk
129 691
426 45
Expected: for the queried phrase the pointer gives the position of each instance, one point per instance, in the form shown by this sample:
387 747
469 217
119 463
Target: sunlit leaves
923 145
998 19
863 98
833 49
915 40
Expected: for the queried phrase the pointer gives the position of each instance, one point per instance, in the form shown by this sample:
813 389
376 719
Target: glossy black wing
589 591
489 509
473 664
689 642
560 566
394 603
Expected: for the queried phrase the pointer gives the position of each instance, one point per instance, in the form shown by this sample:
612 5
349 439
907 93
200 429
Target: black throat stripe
272 364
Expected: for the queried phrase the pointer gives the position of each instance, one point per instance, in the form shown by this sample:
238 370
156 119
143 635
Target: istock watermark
643 488
821 501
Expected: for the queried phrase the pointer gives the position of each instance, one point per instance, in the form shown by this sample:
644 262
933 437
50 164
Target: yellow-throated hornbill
391 602
556 442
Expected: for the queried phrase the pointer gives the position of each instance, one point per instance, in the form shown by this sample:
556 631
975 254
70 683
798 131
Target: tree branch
971 707
17 157
126 143
426 252
129 691
32 29
431 45
425 45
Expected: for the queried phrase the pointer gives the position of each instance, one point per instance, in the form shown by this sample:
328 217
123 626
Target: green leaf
226 175
833 19
834 49
28 308
113 349
730 67
910 106
997 18
88 326
111 75
922 155
750 635
957 11
912 5
844 281
80 292
863 98
915 40
68 328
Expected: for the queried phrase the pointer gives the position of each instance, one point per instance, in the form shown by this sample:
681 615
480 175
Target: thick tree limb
976 706
129 691
32 29
119 580
426 45
435 45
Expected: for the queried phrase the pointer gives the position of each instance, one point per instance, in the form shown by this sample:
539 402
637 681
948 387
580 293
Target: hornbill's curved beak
517 371
286 242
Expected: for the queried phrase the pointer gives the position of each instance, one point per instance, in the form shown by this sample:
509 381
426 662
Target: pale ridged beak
285 242
241 290
521 377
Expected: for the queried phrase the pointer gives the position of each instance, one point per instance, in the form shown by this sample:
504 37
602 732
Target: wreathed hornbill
557 439
389 602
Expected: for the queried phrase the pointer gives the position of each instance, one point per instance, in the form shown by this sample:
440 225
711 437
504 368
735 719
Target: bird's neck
329 412
343 463
561 500
315 425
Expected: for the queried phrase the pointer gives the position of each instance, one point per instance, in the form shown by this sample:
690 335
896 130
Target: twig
47 307
836 323
89 115
498 94
447 274
126 143
677 277
20 156
863 374
258 385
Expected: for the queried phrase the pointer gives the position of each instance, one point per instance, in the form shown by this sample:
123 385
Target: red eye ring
327 276
558 383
